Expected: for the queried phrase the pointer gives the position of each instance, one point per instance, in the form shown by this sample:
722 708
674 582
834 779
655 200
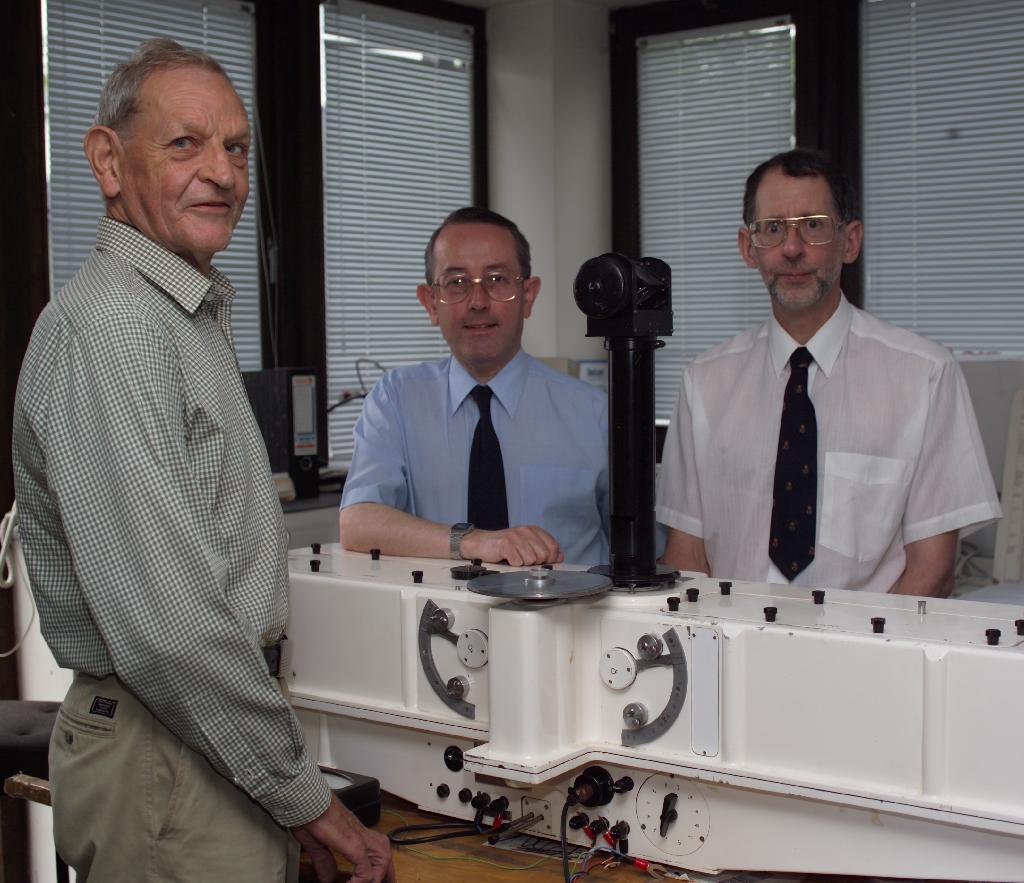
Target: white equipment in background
39 679
855 733
1008 564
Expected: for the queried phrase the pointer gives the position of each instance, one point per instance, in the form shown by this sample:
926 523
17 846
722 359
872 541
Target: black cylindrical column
629 304
631 450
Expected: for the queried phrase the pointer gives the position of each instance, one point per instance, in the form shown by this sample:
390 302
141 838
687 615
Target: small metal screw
649 646
634 715
457 687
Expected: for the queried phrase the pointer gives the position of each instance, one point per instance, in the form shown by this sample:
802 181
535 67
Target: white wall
550 158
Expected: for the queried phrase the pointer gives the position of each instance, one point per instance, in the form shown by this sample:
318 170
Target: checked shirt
152 533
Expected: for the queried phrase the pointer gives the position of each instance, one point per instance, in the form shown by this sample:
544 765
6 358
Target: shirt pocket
561 499
862 504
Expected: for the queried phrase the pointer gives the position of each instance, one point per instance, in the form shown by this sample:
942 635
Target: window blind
85 40
713 104
943 87
397 159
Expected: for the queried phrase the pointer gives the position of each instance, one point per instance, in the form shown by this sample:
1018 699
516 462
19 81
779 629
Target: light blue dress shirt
412 449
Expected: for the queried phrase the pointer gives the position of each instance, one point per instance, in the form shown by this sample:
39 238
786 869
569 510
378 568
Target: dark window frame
477 19
25 261
827 114
288 98
287 58
287 74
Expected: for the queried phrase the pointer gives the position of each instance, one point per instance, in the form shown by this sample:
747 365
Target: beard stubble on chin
788 302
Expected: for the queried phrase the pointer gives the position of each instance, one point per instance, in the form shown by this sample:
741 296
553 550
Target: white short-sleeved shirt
900 457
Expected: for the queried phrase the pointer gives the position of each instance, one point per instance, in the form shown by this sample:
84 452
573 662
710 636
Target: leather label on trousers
103 706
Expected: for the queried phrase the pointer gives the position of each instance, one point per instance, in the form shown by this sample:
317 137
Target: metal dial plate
676 696
689 831
540 585
437 684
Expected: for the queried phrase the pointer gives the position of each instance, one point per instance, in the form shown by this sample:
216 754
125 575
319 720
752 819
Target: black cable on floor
454 829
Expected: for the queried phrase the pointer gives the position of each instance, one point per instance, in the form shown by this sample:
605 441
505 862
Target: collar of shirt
825 346
178 279
507 385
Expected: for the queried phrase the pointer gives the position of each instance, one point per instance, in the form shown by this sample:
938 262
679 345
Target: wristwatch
455 535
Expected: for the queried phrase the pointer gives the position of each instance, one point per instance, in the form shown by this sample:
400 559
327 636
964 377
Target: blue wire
589 854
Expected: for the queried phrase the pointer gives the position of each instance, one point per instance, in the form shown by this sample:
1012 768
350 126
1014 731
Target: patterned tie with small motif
791 545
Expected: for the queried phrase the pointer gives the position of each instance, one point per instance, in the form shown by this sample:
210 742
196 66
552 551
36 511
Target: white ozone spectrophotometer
710 725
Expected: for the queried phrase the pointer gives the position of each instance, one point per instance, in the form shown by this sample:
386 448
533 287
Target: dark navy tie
791 543
488 504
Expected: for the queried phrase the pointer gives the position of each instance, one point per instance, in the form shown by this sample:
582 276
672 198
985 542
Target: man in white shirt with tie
825 447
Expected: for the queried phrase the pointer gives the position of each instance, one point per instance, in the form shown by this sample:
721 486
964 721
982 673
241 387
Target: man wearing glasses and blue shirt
824 447
487 454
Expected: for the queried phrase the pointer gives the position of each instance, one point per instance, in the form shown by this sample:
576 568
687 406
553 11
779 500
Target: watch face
462 526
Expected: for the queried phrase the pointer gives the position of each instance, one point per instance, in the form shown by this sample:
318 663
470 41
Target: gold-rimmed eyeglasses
813 229
456 287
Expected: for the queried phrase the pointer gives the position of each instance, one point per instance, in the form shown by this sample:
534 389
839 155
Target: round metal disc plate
618 668
527 585
658 580
472 648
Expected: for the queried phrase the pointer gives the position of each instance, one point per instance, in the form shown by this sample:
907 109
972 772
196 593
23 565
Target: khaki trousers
132 802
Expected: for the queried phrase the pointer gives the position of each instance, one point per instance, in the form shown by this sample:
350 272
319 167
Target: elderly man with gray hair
152 532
